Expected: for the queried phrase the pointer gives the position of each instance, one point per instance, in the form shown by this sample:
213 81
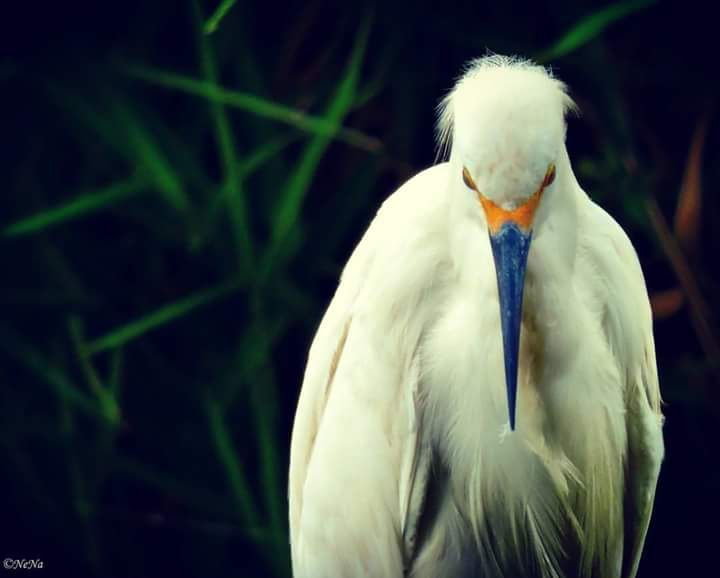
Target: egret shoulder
405 244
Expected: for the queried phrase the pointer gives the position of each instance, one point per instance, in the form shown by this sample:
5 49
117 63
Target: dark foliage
182 187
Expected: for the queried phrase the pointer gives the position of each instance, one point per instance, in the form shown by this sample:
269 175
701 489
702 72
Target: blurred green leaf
373 86
286 211
61 273
233 192
162 316
229 459
223 8
105 397
256 105
51 375
114 379
590 27
148 154
77 207
264 401
180 148
126 131
262 154
254 349
245 168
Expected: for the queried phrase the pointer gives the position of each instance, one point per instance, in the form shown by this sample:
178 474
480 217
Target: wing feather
645 454
323 359
631 337
415 473
360 389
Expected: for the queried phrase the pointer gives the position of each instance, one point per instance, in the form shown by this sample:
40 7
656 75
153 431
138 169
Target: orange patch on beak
522 216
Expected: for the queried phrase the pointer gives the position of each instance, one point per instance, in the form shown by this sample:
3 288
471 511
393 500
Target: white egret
406 458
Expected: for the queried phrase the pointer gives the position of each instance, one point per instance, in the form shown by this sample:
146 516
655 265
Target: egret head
505 121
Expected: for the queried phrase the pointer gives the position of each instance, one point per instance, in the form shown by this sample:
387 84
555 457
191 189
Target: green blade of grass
149 156
228 458
262 154
253 375
104 395
166 314
288 209
234 195
63 274
373 86
180 151
264 402
285 216
114 379
253 351
123 130
590 27
256 105
54 377
136 138
211 23
79 206
245 168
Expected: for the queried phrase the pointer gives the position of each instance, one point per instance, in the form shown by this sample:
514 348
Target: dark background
177 207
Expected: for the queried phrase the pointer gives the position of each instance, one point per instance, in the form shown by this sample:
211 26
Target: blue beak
510 247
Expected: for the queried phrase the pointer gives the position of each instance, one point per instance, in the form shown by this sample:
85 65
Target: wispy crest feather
476 69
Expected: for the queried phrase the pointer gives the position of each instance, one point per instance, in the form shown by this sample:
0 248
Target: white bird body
402 460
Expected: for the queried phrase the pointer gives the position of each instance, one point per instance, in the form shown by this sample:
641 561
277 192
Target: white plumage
402 460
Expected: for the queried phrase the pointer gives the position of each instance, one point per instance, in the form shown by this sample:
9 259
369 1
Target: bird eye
549 175
467 179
